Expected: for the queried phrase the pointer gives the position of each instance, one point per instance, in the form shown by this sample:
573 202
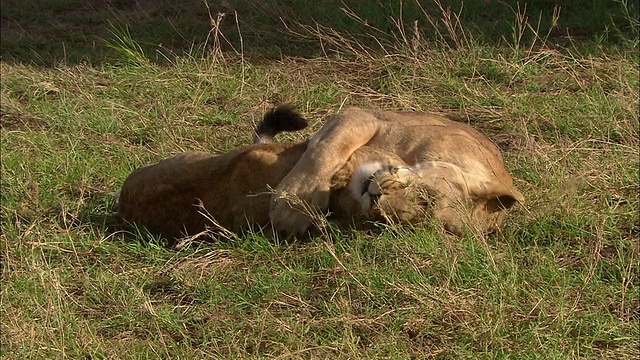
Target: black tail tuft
280 118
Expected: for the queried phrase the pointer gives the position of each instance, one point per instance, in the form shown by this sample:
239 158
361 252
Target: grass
561 281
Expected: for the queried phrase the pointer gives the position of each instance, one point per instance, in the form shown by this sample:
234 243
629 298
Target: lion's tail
278 119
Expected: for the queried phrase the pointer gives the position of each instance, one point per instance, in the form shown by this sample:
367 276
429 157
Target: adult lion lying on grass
234 189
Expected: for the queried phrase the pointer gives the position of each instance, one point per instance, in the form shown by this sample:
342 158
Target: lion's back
232 187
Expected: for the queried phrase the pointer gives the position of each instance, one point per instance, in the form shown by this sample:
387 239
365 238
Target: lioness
459 169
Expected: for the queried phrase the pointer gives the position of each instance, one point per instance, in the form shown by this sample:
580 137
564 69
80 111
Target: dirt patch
14 120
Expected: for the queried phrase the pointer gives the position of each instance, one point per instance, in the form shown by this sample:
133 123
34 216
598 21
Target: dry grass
559 282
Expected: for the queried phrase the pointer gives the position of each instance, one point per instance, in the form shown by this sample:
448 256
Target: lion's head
432 190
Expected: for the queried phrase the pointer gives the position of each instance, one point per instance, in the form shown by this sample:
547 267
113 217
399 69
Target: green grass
561 281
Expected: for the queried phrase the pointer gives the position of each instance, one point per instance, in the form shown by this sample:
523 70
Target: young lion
185 194
234 189
450 160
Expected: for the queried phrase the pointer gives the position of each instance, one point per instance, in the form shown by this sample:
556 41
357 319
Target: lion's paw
294 214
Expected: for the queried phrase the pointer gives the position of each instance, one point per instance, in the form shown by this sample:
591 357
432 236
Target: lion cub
194 191
460 169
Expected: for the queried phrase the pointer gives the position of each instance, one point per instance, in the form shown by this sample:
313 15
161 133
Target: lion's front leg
306 188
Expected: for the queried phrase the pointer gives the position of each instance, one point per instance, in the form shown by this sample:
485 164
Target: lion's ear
502 198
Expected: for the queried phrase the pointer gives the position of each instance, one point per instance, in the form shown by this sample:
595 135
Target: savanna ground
94 89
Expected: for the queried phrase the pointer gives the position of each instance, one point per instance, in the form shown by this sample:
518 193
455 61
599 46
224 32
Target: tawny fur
188 193
464 184
232 188
415 138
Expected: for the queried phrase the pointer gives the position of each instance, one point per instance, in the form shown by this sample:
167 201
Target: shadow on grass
110 226
106 222
68 32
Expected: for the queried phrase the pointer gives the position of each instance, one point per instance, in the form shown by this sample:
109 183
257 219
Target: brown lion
455 175
191 192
